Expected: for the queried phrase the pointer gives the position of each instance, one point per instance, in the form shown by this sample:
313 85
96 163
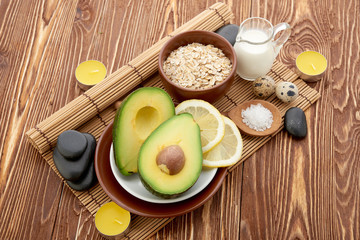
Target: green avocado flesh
139 114
180 130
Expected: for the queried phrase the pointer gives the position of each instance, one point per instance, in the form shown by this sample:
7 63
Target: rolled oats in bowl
197 66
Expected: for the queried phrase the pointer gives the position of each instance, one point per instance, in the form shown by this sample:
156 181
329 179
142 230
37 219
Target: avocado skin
161 195
116 123
115 137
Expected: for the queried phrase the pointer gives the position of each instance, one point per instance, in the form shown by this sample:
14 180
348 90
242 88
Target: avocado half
180 130
139 114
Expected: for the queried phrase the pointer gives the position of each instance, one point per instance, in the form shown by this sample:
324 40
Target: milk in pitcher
256 59
256 48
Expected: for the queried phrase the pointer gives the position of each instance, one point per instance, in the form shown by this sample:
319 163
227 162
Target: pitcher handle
278 43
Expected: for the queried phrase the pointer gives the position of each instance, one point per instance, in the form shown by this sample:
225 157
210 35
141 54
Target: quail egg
287 91
264 86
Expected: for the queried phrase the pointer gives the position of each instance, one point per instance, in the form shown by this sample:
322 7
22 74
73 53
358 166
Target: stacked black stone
74 158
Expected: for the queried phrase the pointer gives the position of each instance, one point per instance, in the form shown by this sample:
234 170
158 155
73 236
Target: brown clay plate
135 205
235 115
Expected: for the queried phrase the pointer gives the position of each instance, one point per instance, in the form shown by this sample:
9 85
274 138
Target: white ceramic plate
132 184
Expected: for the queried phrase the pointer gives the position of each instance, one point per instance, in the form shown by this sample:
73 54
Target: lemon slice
209 119
228 151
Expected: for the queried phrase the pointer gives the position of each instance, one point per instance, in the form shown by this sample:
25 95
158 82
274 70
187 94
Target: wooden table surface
303 189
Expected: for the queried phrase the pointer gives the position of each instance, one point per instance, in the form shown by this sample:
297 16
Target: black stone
295 122
74 169
229 32
86 181
71 144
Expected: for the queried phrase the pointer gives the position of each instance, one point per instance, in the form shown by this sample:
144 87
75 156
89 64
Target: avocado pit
171 159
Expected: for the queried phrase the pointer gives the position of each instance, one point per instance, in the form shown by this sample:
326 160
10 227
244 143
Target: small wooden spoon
235 115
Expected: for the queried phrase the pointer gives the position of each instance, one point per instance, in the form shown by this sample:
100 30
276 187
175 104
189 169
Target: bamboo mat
143 227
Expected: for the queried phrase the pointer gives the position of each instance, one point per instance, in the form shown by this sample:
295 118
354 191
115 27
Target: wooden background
289 189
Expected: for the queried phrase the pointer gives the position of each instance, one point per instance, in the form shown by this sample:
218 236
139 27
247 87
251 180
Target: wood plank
309 189
30 191
342 104
73 220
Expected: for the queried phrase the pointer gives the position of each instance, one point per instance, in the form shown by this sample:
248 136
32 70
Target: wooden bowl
203 37
135 205
235 115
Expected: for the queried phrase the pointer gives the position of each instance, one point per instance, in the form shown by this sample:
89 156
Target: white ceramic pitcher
256 48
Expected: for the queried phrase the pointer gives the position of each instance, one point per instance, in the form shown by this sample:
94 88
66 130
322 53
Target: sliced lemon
228 151
209 119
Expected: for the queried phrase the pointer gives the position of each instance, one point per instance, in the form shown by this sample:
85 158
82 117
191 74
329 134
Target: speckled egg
287 91
264 86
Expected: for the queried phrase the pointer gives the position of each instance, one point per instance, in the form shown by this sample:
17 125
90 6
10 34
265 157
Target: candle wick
313 67
95 71
117 221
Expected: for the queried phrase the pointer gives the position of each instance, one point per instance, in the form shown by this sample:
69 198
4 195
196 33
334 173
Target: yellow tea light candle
89 73
311 65
112 221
